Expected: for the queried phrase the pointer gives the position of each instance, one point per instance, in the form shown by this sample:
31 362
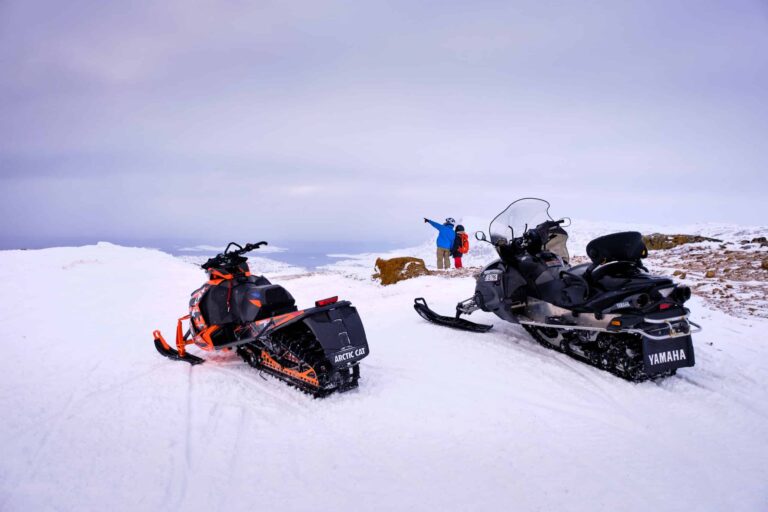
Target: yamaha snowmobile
317 349
610 313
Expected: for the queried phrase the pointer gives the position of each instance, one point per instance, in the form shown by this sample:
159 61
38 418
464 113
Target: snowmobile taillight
616 323
665 305
326 302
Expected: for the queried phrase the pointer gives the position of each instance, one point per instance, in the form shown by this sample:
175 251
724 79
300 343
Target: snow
93 418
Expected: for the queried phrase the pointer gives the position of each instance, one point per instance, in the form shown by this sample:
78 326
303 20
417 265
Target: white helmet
450 221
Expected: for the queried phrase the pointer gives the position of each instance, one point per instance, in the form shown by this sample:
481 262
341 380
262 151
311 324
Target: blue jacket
447 234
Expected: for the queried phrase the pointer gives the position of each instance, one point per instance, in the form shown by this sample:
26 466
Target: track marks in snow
715 391
270 392
51 427
181 461
115 388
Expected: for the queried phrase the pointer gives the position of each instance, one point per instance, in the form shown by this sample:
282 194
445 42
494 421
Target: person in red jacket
460 246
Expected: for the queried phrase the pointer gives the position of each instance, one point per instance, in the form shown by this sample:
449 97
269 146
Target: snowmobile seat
274 299
625 246
608 276
618 269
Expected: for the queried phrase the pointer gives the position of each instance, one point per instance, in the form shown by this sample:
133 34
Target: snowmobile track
636 378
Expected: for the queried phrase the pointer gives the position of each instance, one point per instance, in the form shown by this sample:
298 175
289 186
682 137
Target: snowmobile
610 313
317 349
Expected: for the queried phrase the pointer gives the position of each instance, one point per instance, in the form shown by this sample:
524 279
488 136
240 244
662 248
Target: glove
426 220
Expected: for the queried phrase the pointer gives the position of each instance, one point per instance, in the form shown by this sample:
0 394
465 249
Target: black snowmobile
610 313
317 349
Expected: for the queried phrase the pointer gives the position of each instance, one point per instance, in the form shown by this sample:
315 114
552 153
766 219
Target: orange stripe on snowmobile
279 320
308 376
203 340
287 318
255 302
221 275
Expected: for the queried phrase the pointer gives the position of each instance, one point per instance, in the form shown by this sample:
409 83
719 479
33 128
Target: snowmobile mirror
480 236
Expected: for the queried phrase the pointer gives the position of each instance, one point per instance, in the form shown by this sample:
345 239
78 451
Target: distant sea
307 254
301 254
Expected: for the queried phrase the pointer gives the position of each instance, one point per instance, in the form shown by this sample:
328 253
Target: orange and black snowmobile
317 349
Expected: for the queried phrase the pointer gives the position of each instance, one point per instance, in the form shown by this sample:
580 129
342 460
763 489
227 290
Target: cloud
333 120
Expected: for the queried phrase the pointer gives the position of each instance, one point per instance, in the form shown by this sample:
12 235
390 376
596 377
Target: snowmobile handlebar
233 257
242 250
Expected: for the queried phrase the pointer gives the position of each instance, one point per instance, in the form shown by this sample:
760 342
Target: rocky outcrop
394 270
658 241
733 276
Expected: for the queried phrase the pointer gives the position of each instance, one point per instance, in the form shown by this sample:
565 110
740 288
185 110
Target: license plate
667 354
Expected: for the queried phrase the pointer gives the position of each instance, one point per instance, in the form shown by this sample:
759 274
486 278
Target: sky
350 121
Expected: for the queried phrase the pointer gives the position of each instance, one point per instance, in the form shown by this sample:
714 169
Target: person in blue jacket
444 241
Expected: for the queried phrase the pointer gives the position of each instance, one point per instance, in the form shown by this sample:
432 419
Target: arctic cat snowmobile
610 313
317 349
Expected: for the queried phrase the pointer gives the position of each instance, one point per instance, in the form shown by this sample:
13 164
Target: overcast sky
330 120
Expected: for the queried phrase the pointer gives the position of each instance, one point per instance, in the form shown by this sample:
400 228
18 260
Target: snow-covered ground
92 418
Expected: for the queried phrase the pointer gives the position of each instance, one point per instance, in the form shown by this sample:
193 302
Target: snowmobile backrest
626 246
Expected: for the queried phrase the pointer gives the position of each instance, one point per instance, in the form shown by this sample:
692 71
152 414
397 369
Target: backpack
463 245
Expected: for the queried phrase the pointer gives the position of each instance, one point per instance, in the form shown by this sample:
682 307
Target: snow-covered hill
92 418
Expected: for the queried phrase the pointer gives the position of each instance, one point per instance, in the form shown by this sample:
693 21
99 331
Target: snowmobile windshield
517 218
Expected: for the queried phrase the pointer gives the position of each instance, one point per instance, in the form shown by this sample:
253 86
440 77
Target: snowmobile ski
421 307
162 346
